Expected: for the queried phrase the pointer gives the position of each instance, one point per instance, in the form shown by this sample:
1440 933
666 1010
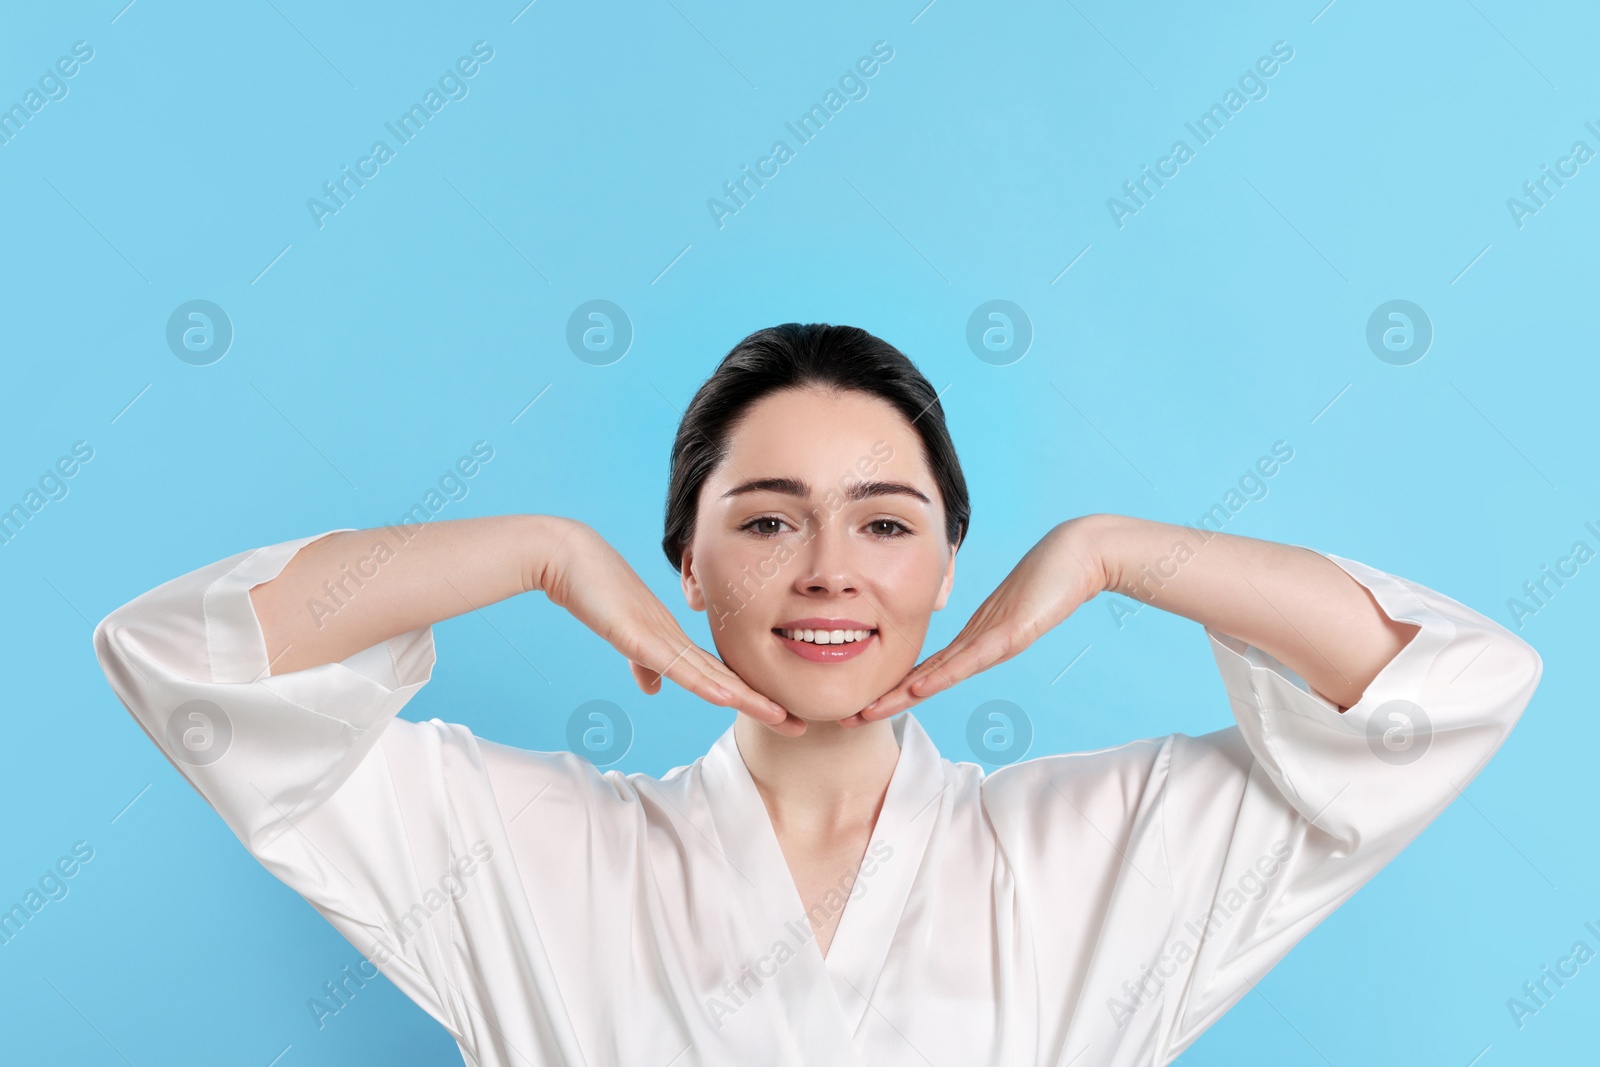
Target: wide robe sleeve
338 798
1270 826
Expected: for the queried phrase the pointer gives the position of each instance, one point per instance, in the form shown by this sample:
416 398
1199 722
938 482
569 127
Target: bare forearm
1288 601
351 590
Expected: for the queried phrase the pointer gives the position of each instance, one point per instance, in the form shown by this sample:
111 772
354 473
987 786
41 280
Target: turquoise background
368 354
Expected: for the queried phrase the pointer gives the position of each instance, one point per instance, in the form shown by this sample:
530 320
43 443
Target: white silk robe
1089 908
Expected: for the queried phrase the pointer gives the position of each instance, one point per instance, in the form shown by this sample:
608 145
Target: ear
949 580
692 593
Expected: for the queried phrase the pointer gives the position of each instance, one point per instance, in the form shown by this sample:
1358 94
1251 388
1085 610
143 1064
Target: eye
758 526
767 526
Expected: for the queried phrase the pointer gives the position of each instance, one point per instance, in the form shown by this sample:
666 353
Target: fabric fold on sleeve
189 661
302 765
1271 825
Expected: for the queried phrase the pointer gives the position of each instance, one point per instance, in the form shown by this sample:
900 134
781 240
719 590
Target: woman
821 887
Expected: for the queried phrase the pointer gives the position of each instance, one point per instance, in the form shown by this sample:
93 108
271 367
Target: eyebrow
797 487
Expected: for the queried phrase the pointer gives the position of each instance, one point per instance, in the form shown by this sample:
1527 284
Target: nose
827 564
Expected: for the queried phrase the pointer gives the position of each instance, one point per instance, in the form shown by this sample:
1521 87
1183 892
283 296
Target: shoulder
561 779
1114 791
1111 786
1118 774
1079 818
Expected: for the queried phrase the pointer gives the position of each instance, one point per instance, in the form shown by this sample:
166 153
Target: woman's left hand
1058 574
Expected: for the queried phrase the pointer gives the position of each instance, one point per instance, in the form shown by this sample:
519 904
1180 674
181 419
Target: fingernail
872 705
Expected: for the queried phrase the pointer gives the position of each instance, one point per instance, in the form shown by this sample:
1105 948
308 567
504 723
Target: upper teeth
826 637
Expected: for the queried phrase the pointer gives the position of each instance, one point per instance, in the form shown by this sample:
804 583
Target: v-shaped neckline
879 894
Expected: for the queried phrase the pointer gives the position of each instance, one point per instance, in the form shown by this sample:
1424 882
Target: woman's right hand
590 579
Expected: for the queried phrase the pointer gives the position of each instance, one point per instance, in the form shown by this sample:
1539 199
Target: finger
685 668
709 678
957 662
890 704
979 654
742 697
792 726
656 641
938 665
647 679
903 695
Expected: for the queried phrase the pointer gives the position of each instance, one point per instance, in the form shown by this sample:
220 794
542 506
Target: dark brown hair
796 355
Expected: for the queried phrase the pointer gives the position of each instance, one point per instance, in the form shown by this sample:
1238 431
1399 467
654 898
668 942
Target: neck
828 778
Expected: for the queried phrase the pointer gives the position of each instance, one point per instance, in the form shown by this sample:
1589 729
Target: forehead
824 437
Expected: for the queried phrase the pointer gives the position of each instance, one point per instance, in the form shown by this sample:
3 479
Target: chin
828 714
809 705
825 707
798 690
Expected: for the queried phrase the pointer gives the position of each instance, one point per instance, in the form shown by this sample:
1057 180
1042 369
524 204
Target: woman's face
822 516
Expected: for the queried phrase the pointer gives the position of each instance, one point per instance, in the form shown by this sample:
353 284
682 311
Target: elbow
1508 679
1514 662
1525 670
116 660
1534 662
107 650
124 650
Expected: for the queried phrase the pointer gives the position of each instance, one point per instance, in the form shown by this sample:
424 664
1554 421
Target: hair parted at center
799 355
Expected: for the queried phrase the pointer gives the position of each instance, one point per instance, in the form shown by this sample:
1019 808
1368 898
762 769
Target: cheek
738 586
909 583
905 592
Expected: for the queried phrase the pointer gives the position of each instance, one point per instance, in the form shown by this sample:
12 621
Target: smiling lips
825 640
